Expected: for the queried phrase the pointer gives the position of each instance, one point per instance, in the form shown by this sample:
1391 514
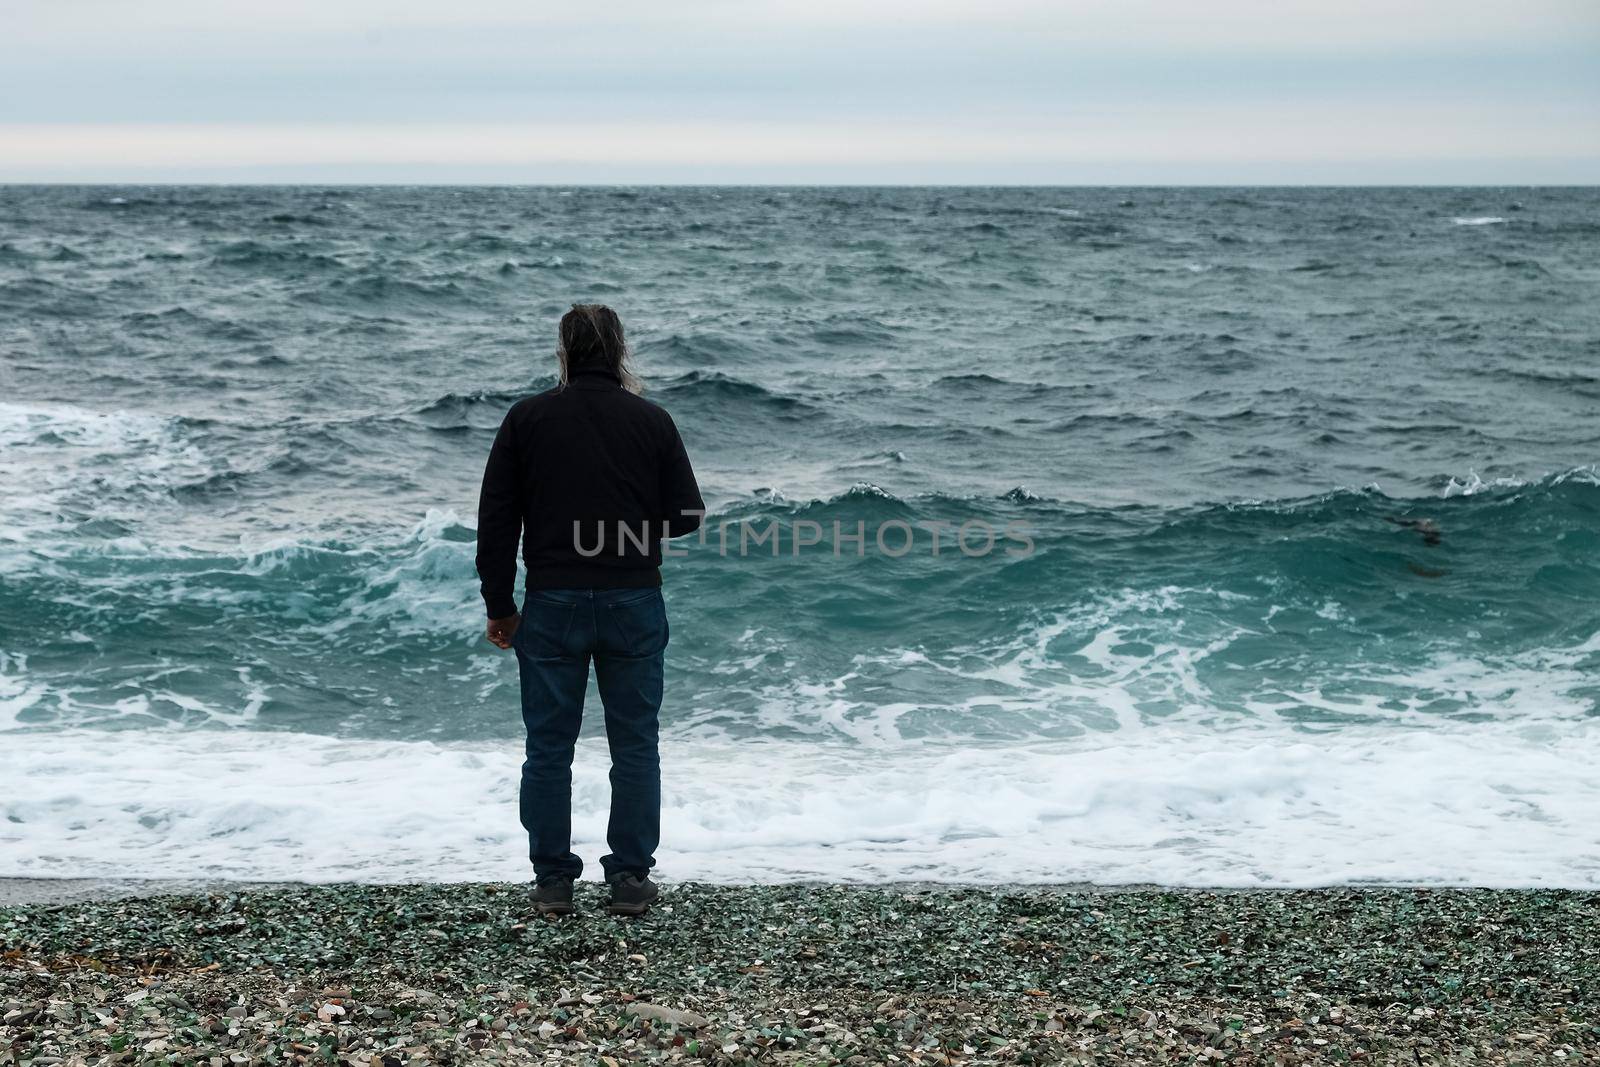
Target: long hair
591 336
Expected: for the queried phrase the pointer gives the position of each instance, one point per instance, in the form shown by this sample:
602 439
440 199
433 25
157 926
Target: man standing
590 476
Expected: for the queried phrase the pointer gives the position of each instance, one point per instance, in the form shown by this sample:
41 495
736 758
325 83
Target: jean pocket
544 629
638 597
641 623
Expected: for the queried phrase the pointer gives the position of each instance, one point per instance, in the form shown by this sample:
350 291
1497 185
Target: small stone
674 1016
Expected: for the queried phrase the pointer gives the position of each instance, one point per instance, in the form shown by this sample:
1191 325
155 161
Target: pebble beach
462 973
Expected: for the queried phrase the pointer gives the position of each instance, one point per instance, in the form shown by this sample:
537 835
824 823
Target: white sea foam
17 692
59 458
1114 664
138 446
1482 804
1474 483
1477 220
416 580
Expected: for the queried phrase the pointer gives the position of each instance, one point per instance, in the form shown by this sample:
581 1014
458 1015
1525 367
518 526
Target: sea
1269 517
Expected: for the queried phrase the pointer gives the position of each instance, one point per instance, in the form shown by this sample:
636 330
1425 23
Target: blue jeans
625 632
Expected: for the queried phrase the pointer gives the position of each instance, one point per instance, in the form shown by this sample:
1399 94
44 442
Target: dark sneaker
631 894
553 895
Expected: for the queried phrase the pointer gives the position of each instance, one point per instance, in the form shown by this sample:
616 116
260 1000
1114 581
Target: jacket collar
592 376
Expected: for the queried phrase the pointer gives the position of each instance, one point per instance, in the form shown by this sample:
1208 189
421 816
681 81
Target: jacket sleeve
500 524
680 495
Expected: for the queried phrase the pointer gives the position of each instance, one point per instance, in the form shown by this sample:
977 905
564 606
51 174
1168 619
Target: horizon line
424 183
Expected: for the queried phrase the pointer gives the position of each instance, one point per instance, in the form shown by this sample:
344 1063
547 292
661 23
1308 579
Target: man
591 476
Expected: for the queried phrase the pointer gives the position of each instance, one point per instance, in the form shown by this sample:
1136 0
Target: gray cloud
939 90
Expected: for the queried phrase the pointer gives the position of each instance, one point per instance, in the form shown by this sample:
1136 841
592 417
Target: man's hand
500 630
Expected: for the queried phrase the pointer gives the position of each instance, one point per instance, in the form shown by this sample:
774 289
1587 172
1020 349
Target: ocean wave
1472 484
378 288
61 461
703 348
1569 378
456 404
1373 535
1170 806
979 381
123 202
151 458
1316 613
699 389
12 255
1478 220
257 254
292 218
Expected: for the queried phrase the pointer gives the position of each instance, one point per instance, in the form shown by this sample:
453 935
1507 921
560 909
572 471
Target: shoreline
17 890
456 973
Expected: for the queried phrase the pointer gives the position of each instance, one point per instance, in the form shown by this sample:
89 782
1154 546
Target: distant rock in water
1431 534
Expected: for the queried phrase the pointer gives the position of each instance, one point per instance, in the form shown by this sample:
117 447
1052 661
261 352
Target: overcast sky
989 91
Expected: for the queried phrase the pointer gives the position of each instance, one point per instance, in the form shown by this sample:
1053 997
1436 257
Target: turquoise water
242 431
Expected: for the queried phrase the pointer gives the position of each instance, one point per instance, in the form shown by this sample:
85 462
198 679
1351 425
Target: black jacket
591 477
